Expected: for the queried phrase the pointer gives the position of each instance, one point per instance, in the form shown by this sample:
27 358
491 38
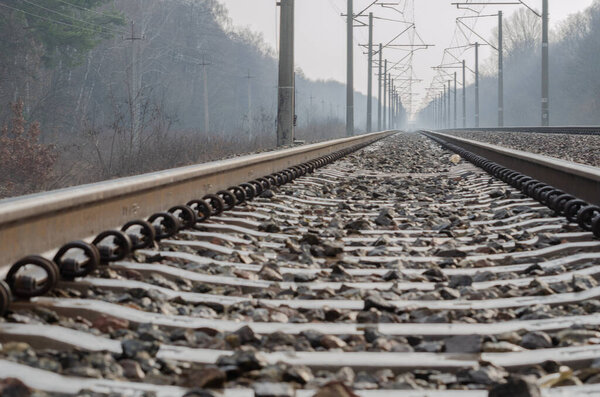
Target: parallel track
570 130
391 268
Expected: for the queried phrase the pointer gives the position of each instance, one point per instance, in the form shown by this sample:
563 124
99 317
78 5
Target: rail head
570 130
580 180
41 222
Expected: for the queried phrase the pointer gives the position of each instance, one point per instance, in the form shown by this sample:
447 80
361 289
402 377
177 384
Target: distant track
570 130
381 264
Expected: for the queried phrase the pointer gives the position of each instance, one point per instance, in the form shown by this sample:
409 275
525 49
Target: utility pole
435 112
464 96
385 87
440 111
393 112
500 72
370 78
391 91
398 110
545 67
379 94
286 105
444 108
249 77
204 64
393 107
135 86
476 85
350 72
309 120
455 103
449 106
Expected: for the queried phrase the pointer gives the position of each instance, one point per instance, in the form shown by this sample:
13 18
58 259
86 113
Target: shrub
25 163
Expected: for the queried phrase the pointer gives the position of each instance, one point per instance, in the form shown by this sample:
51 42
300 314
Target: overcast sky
321 40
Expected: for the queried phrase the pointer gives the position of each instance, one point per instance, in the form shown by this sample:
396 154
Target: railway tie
397 268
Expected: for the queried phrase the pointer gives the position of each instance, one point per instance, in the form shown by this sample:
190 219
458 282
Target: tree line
119 87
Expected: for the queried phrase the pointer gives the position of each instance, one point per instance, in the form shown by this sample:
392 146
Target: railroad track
399 269
572 130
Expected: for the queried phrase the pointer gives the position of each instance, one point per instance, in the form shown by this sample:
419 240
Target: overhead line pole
477 85
379 99
444 108
449 103
545 67
441 110
370 78
385 74
455 103
395 110
249 77
135 85
350 71
391 115
286 100
500 72
204 64
435 112
464 93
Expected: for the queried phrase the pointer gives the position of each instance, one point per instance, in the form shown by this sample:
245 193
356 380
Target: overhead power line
53 20
85 9
73 18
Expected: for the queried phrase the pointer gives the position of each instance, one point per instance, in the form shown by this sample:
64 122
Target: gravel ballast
584 149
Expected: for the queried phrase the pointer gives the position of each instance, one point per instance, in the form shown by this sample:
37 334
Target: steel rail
42 222
570 130
230 259
580 180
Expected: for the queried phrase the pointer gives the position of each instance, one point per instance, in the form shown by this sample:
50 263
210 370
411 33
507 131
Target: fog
574 84
100 89
118 88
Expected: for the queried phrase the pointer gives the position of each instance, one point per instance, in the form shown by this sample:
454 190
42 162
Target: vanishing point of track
393 269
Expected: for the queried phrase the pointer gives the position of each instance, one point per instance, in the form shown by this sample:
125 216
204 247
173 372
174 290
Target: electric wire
54 20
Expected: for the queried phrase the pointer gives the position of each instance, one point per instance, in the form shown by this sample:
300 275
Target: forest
97 89
574 83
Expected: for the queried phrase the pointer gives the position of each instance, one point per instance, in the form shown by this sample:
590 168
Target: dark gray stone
464 344
515 387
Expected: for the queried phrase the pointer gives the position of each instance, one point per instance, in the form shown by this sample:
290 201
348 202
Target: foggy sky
321 40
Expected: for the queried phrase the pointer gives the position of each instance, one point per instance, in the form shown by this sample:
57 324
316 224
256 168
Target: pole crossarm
391 20
459 20
454 65
478 16
504 3
376 2
412 45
